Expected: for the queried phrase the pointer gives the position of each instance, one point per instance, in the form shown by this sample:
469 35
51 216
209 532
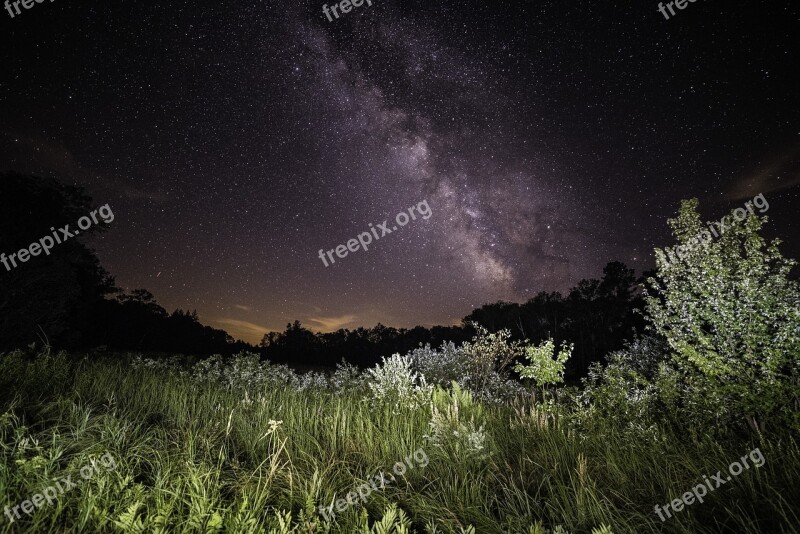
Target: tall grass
203 458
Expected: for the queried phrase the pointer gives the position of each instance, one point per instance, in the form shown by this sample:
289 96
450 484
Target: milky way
235 141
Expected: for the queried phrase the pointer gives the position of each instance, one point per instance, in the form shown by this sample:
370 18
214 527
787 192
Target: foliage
545 367
488 353
731 317
197 457
617 399
597 315
451 364
52 297
244 370
347 377
441 366
452 427
395 383
311 380
31 373
362 347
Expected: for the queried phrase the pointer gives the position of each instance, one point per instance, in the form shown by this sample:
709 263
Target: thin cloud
780 172
31 154
330 324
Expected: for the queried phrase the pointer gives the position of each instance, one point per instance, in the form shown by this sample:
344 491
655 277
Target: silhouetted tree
51 295
63 296
597 316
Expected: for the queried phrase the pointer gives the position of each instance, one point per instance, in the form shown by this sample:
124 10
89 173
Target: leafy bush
545 367
394 382
34 373
442 366
617 400
490 354
731 316
173 364
246 371
643 356
347 377
478 366
310 380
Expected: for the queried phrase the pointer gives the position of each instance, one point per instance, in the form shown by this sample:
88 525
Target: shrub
490 354
173 364
278 375
545 368
35 373
731 317
311 380
246 371
616 399
395 383
347 377
478 367
442 366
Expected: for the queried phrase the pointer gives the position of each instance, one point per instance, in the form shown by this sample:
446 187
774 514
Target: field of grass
202 457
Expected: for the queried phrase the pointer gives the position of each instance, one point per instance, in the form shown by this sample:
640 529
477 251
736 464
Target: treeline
68 300
363 347
136 322
597 316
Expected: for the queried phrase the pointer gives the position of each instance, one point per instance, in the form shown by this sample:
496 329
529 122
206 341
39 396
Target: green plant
545 367
190 455
452 427
395 383
731 317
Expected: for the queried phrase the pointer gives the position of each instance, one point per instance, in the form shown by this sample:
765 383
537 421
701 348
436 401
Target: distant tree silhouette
50 296
62 298
137 322
597 316
363 346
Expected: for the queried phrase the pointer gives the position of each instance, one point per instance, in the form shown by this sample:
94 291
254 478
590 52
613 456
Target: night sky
234 140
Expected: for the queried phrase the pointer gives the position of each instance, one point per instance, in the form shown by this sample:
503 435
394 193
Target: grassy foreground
195 457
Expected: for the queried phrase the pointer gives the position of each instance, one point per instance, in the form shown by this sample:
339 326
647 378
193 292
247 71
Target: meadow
245 446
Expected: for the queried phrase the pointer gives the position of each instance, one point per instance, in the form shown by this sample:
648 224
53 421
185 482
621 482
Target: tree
731 317
545 367
53 295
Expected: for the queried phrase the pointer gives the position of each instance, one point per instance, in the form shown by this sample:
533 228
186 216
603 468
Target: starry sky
234 140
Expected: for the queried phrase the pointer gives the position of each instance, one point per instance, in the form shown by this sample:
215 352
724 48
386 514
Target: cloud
33 154
779 172
330 324
241 307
